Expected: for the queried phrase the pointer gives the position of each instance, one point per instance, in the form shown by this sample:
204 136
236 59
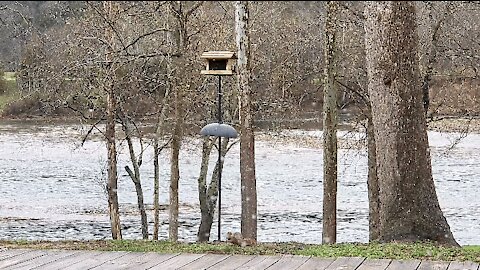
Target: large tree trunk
110 134
409 208
247 139
329 234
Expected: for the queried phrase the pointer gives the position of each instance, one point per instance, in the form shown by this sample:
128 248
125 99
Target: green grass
395 251
9 76
374 251
10 91
10 94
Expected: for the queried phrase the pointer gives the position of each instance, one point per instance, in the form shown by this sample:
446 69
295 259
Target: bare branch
110 24
94 126
193 9
362 96
143 36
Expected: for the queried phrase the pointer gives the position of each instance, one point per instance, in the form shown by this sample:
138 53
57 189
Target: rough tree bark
156 189
409 208
109 9
203 234
208 196
329 233
247 139
372 182
174 167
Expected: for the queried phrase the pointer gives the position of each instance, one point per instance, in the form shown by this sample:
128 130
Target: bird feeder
218 62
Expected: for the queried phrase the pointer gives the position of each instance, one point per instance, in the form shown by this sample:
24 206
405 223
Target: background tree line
286 65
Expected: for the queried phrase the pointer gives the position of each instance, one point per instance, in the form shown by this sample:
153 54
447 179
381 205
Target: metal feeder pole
219 156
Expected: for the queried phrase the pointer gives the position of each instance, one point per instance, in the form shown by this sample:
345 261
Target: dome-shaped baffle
219 130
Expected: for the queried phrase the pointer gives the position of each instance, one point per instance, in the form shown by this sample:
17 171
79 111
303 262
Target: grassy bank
9 91
374 251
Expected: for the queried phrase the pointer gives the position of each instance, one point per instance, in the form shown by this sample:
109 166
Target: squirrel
239 240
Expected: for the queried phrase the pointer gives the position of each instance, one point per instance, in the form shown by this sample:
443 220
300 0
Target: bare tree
329 234
409 208
247 139
110 10
182 12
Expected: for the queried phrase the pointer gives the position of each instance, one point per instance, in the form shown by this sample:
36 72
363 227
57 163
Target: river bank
397 251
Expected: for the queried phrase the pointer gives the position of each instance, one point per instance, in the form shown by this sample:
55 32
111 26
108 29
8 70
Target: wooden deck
65 259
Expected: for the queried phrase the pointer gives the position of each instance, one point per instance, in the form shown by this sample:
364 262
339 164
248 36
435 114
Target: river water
51 187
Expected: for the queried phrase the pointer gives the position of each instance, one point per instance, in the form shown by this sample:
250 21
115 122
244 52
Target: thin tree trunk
372 183
110 137
156 165
174 179
329 234
112 168
141 205
208 197
156 189
174 168
203 234
135 176
247 139
409 208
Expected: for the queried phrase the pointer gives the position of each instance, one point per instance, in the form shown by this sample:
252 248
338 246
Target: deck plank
463 266
433 265
120 262
93 261
5 254
288 262
205 262
150 260
67 261
177 261
24 259
316 264
374 264
346 263
404 265
50 256
233 262
21 258
260 262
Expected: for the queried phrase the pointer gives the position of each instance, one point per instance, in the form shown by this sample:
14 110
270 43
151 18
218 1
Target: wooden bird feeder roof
218 55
